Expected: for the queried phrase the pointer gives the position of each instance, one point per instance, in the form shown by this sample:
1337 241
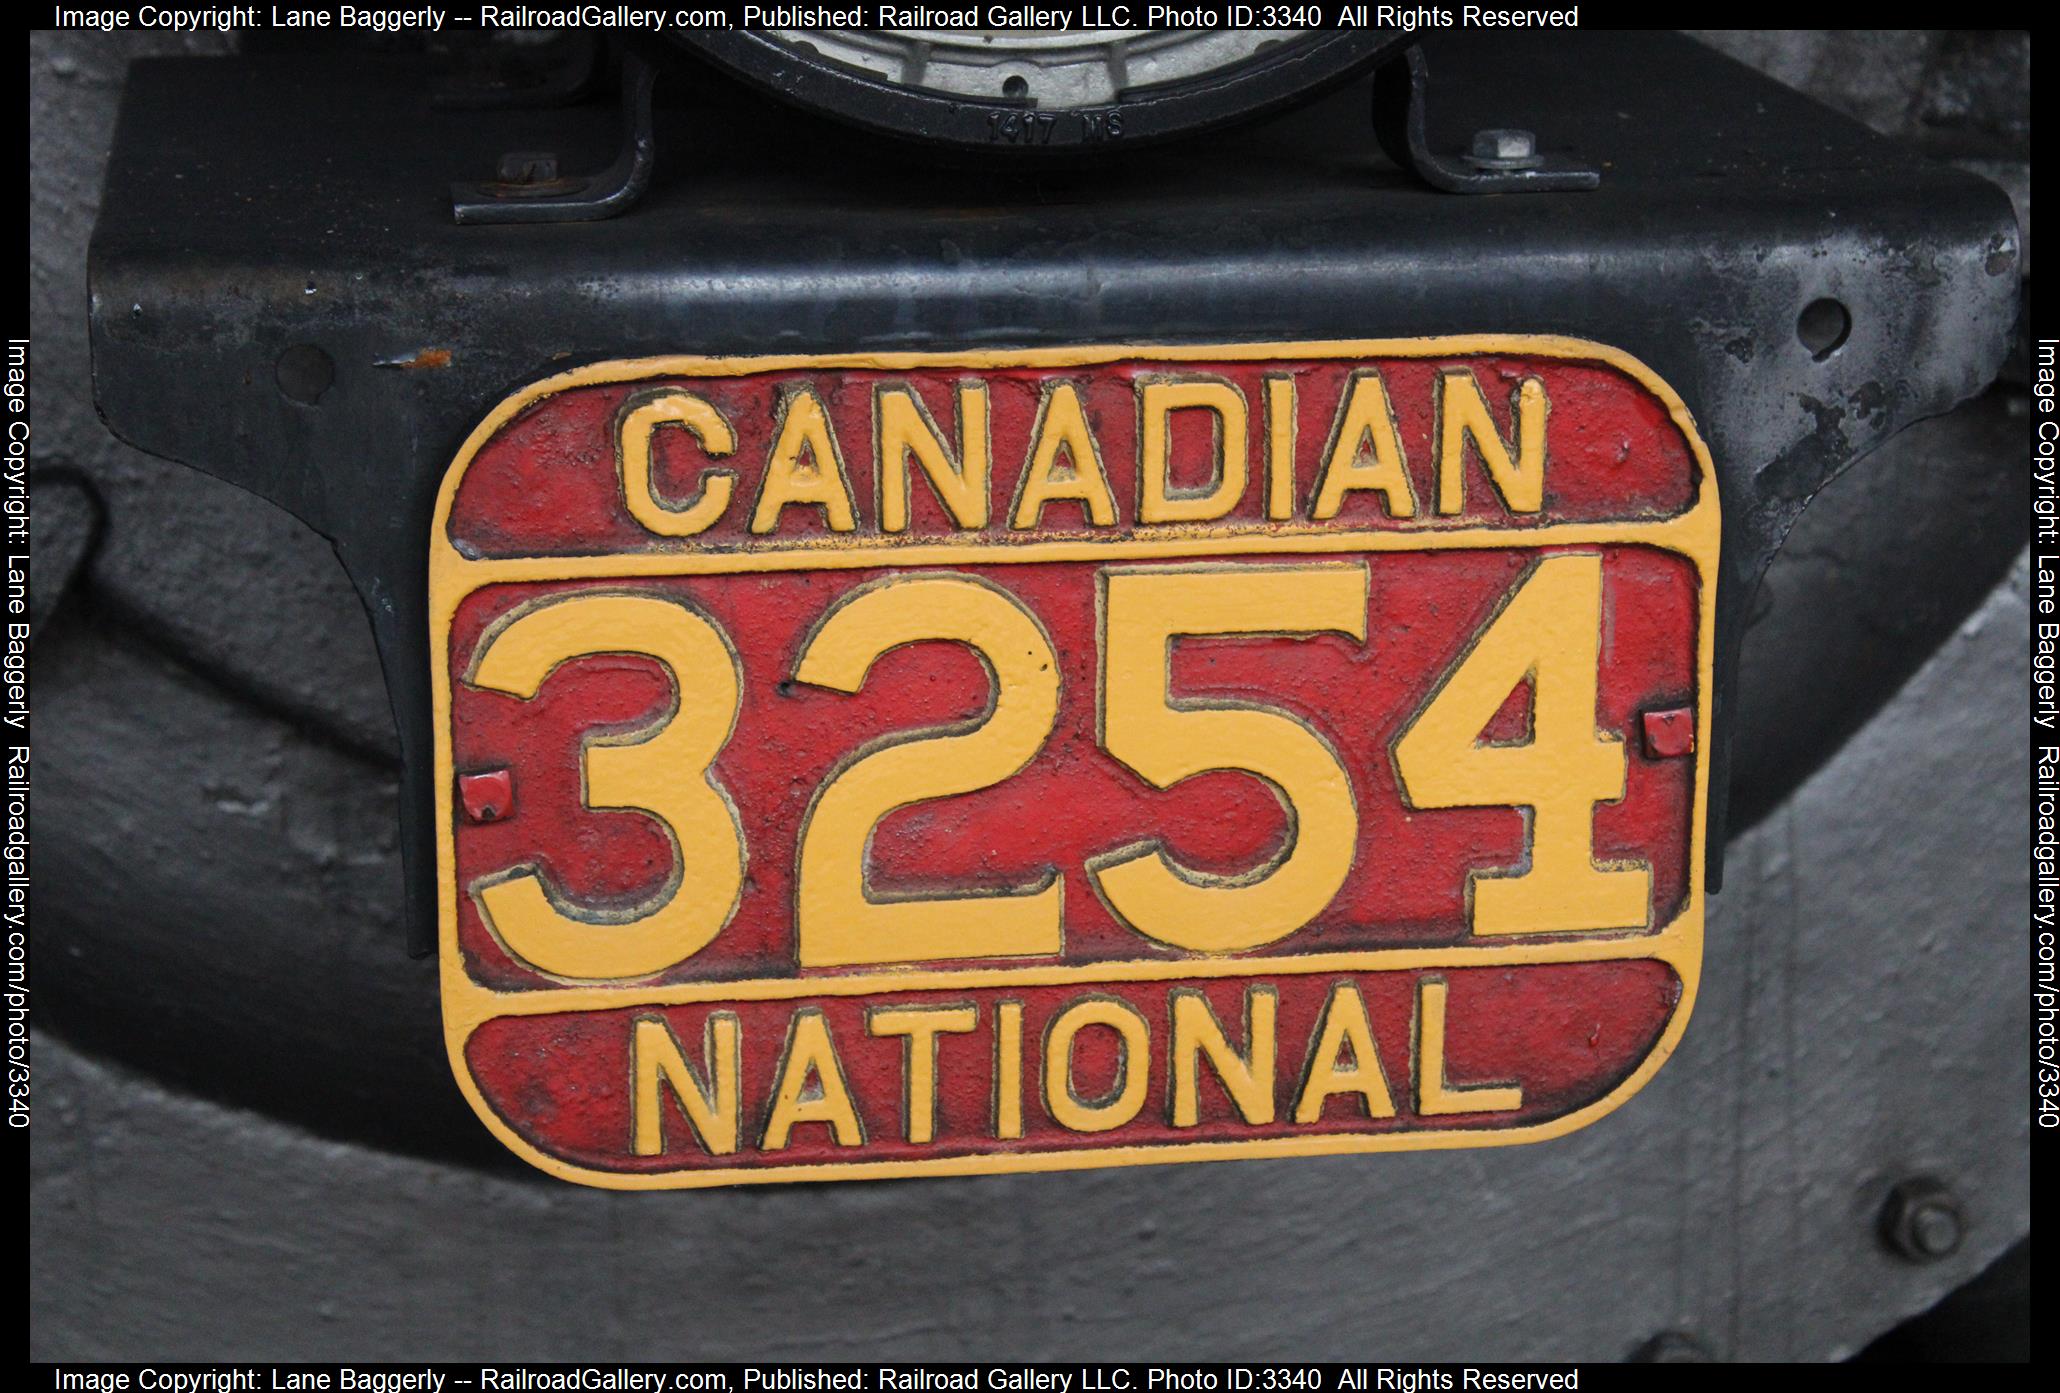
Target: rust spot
421 359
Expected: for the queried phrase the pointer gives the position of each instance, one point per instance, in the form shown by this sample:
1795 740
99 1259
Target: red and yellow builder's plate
948 763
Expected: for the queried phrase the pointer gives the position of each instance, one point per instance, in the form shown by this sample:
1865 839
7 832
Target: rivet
1922 1220
488 796
1669 734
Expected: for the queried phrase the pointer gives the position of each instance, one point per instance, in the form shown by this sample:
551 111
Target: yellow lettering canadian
903 430
1516 466
1063 463
1158 501
635 438
821 482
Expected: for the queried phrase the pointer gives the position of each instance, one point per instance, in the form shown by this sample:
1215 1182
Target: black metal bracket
1500 161
529 188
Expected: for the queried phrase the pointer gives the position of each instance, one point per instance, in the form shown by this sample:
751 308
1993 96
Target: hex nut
1504 149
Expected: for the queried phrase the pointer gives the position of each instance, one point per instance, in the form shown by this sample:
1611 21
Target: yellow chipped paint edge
1693 534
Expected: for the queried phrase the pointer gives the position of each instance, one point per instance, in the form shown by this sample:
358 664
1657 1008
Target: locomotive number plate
947 763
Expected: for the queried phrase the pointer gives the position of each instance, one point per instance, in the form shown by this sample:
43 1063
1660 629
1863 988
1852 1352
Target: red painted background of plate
546 484
1565 1033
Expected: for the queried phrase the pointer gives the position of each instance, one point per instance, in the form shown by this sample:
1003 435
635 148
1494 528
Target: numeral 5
1166 740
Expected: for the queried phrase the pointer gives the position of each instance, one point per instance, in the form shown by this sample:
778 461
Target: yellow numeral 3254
1547 632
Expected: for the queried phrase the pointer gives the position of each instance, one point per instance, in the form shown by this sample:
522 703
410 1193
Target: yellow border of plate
466 1004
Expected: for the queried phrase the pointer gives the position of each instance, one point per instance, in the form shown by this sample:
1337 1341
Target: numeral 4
1550 634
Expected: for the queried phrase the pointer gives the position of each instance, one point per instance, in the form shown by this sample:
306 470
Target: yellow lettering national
690 1092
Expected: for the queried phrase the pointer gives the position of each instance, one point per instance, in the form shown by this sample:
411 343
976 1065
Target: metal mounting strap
1501 161
530 189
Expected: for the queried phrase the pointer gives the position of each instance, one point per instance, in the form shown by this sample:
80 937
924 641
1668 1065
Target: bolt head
1922 1220
1503 149
528 167
1936 1229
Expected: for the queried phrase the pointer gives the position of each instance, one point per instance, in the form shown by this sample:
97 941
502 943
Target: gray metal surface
1858 1023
